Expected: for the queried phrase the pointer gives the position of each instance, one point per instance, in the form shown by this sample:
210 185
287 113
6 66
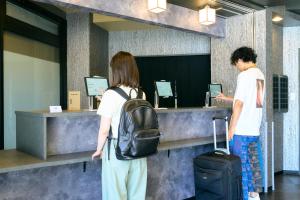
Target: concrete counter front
64 143
44 134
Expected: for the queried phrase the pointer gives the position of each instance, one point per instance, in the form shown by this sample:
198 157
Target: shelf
13 160
189 143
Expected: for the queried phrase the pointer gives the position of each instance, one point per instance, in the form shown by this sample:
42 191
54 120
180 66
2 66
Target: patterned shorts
249 150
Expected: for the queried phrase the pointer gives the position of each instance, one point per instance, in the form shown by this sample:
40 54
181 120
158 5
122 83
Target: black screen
191 73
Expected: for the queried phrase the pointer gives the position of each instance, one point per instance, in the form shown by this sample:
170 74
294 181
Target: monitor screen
164 88
215 89
94 85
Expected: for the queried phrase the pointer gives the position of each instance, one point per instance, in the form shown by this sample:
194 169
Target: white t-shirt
111 105
250 90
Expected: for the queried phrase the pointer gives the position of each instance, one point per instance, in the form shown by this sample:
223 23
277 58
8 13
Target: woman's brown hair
124 70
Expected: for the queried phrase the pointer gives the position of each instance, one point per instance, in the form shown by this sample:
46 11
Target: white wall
30 84
291 45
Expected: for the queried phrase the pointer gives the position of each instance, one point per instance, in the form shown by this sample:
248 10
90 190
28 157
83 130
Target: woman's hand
98 153
100 95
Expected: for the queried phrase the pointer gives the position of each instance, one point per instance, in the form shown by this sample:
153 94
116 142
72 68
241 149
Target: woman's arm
102 135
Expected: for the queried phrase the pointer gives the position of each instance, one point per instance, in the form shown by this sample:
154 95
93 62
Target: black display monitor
94 85
215 89
163 88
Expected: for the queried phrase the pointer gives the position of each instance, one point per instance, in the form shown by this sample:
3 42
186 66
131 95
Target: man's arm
236 111
221 96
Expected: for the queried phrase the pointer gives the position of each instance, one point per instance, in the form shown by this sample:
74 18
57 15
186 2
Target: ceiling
118 24
230 8
225 9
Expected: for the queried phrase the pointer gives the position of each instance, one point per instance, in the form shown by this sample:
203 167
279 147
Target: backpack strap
131 91
109 138
140 93
120 92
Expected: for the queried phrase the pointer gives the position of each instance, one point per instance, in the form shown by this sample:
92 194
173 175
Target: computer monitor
94 85
215 89
163 88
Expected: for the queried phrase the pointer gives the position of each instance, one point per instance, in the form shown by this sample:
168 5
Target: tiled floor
287 187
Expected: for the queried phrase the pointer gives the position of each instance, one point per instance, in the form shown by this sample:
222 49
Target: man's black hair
246 54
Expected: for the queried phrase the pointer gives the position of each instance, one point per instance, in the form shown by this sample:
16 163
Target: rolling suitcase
217 174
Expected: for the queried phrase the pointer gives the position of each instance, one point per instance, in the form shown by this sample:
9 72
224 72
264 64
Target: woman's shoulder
109 94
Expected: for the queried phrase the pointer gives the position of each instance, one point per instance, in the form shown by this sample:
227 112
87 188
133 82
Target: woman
246 119
121 180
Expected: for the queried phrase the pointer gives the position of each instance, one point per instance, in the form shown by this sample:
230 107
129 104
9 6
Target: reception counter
54 152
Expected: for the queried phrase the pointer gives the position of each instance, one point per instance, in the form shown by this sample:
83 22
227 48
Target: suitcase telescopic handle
222 118
225 150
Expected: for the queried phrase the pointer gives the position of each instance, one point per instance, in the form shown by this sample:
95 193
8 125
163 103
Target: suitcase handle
225 118
220 152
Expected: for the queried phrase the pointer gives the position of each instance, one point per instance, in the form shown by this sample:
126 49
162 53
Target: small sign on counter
74 100
55 109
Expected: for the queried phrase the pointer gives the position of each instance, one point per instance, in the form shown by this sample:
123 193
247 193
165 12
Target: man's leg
255 162
239 148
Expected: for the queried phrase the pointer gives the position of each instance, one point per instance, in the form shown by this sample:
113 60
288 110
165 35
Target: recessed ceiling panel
118 24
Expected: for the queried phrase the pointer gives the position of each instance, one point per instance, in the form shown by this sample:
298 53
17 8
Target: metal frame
2 16
11 24
299 110
266 159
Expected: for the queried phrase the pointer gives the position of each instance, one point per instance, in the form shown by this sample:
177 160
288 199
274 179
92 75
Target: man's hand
236 111
222 97
230 134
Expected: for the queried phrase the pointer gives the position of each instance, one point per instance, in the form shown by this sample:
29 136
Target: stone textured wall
291 46
239 33
87 52
98 51
78 53
277 65
158 42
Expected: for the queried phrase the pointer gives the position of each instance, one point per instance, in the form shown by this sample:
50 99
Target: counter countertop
87 112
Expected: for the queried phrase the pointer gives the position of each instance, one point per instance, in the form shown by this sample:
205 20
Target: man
246 119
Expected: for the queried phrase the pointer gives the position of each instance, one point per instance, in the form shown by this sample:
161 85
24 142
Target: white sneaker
254 198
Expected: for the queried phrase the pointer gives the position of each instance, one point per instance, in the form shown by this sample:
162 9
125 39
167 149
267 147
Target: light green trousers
123 180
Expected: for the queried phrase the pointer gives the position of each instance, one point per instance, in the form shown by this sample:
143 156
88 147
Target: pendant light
157 6
207 15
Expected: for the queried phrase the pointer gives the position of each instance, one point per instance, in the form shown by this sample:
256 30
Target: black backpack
138 134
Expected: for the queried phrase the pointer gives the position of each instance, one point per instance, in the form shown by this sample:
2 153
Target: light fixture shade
157 6
277 18
207 16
